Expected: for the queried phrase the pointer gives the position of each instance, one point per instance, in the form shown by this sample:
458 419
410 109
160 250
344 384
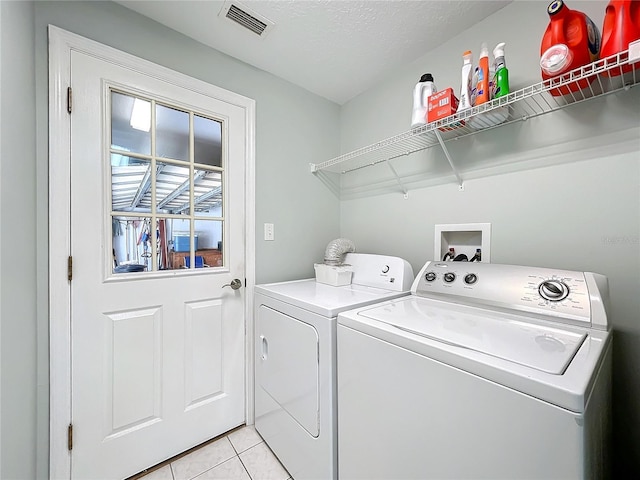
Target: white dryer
484 371
295 367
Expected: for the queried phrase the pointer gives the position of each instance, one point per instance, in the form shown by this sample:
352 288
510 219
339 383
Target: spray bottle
465 90
482 94
501 75
421 93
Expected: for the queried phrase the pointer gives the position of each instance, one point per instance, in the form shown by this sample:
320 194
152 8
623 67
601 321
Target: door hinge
69 99
70 268
70 437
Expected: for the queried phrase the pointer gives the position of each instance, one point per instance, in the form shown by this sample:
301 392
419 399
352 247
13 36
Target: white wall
18 233
0 240
576 205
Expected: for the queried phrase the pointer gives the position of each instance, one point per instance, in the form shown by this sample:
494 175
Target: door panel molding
142 403
203 381
61 44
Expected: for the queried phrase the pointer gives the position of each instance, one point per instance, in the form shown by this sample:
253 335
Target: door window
167 185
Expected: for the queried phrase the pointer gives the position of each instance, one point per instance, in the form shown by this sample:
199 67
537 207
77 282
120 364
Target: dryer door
287 365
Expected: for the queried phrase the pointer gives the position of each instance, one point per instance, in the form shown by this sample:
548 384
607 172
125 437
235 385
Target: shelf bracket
395 174
446 154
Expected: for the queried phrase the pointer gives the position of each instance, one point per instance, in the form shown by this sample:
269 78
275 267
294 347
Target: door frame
61 44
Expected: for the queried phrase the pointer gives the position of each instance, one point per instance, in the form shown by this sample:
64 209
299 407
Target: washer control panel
558 293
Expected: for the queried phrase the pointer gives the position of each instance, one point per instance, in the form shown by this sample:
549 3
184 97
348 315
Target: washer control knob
385 269
430 276
449 277
553 290
470 278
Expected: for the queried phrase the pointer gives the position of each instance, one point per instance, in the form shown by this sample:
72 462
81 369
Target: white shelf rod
395 174
446 154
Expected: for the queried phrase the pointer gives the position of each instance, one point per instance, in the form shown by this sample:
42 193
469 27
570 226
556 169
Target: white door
157 355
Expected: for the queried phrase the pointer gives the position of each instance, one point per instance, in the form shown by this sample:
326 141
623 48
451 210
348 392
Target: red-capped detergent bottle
621 27
571 40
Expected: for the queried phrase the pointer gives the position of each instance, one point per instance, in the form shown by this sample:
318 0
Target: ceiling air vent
247 18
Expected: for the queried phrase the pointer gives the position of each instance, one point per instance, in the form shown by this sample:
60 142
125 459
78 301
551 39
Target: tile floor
239 455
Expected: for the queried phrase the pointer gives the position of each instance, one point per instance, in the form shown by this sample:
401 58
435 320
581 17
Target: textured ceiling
334 48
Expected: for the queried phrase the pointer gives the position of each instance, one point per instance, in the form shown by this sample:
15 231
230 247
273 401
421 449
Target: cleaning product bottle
465 89
571 40
501 75
482 88
423 89
621 27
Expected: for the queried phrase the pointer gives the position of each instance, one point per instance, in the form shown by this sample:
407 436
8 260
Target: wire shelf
599 78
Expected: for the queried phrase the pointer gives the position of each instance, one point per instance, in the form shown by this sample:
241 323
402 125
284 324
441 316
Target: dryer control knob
430 276
553 290
449 277
385 269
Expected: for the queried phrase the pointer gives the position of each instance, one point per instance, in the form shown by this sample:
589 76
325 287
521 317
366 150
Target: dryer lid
510 337
325 300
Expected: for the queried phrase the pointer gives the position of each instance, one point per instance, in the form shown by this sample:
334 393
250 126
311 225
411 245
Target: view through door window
167 173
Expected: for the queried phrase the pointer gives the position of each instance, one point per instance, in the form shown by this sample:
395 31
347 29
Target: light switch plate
268 231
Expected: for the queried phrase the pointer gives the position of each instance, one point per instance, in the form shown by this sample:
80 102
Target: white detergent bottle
423 89
466 89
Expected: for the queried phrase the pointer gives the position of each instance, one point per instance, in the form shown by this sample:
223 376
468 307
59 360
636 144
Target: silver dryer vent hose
336 250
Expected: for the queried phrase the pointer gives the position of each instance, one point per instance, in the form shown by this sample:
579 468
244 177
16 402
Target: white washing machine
484 371
295 368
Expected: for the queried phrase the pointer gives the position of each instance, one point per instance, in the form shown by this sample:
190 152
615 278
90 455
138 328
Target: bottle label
593 39
479 89
474 85
494 86
500 83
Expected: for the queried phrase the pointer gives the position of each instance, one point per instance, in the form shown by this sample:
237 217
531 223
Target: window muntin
166 186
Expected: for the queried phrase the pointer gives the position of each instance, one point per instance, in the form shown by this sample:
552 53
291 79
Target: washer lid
505 336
